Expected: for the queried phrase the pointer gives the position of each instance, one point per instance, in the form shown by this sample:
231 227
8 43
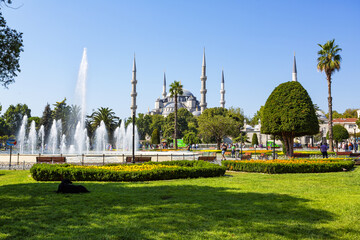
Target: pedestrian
233 150
223 150
323 149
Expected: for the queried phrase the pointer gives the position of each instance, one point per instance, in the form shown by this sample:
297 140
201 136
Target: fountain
76 141
32 137
42 138
101 138
21 138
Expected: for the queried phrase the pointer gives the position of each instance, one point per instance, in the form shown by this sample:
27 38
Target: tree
46 119
107 116
350 113
155 136
4 128
157 121
254 140
257 117
14 115
11 44
328 61
214 123
185 122
36 120
289 113
339 134
190 138
176 89
143 125
242 138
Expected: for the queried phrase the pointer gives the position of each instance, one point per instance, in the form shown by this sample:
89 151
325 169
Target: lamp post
354 139
273 148
241 143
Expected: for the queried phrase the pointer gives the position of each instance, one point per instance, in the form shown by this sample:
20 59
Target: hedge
184 169
289 166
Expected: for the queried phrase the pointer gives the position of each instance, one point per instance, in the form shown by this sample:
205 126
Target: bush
289 166
138 172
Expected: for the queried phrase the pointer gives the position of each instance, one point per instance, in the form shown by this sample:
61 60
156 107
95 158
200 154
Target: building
166 104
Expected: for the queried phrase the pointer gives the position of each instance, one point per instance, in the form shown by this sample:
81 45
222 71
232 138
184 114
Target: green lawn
237 206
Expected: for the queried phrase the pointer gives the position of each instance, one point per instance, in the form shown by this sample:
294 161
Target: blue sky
253 41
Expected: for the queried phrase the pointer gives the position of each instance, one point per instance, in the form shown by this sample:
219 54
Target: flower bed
120 172
290 166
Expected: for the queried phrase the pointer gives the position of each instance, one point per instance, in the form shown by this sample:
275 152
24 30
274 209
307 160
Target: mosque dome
186 93
321 115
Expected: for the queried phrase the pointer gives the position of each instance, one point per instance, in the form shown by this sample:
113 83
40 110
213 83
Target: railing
25 161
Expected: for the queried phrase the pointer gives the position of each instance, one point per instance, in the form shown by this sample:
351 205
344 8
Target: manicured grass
237 206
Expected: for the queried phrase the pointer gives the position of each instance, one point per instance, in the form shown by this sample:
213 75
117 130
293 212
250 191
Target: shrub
289 166
120 172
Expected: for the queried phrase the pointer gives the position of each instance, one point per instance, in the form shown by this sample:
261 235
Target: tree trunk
330 124
175 133
289 145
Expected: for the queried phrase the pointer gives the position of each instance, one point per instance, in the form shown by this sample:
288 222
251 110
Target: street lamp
354 138
273 148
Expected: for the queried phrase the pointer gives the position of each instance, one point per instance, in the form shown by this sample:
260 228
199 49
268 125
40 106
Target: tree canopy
217 123
11 45
288 113
14 115
339 133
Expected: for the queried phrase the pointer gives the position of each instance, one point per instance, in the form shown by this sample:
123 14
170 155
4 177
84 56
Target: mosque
166 105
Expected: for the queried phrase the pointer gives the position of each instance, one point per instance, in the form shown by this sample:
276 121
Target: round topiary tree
155 136
254 140
339 134
289 113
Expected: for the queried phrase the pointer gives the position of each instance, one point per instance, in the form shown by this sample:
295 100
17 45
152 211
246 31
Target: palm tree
329 61
176 89
108 116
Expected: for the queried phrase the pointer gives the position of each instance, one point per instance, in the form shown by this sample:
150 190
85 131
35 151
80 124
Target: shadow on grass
141 211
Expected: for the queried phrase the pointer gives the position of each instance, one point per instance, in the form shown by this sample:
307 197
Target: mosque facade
166 105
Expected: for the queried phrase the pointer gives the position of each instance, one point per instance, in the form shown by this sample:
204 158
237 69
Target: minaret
164 87
294 73
133 108
133 92
203 90
222 91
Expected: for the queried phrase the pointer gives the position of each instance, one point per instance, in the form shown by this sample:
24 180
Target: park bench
207 158
343 153
139 159
246 156
301 155
354 154
50 159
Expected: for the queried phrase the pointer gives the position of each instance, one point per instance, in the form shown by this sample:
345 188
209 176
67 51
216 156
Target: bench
301 155
343 153
50 159
354 154
139 159
246 157
207 158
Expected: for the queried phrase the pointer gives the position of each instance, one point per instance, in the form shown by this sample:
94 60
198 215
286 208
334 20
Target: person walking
323 149
223 150
233 150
